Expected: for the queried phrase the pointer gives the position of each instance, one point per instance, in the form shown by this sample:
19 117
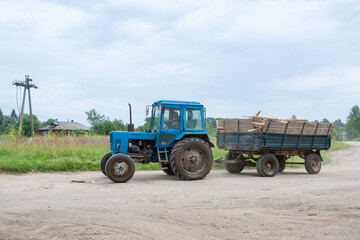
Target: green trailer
270 146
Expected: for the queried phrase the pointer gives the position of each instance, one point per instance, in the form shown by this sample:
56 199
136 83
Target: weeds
67 153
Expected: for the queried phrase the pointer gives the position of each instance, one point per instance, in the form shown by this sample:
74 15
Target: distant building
62 128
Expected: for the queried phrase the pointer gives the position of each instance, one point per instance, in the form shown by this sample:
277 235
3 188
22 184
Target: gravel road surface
152 205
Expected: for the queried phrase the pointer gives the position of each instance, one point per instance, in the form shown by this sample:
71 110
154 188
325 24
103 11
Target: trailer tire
313 163
103 161
282 162
267 165
191 159
233 167
120 168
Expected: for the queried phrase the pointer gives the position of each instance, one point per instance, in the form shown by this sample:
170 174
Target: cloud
241 21
35 25
339 78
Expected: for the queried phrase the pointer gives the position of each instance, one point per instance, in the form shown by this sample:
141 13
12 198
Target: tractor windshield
155 118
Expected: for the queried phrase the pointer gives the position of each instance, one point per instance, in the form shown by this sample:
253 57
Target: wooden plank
272 115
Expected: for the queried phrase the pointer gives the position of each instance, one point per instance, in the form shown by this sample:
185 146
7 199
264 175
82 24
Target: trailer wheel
313 163
267 165
103 161
233 167
191 159
282 162
120 168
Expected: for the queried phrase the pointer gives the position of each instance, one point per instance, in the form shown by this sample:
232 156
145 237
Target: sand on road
152 205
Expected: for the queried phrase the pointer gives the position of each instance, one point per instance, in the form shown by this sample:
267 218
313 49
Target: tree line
102 125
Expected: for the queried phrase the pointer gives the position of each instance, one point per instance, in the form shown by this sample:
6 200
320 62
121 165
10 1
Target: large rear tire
103 161
120 168
267 165
313 163
233 167
191 159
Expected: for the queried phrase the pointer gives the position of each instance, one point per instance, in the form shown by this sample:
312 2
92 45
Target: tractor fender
201 135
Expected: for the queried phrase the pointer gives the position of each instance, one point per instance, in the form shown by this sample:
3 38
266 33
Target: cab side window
172 118
194 119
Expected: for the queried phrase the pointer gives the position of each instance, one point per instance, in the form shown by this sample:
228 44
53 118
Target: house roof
60 125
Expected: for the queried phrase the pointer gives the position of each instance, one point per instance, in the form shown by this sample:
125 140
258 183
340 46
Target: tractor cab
172 120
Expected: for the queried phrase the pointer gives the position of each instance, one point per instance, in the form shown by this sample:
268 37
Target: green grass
69 154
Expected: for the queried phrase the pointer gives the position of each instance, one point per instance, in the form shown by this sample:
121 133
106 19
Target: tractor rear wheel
191 159
233 167
313 163
103 161
267 165
120 168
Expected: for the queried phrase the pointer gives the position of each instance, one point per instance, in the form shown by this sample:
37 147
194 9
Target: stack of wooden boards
273 125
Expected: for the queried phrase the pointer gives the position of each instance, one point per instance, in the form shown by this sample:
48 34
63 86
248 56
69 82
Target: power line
27 86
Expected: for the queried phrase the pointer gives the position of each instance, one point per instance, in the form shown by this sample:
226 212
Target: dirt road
152 205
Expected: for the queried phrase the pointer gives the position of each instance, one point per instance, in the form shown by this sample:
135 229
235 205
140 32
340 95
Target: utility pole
27 85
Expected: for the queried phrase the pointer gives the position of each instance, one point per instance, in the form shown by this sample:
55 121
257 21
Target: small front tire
103 161
120 168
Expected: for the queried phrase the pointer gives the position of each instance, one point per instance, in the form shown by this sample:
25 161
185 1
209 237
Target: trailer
268 143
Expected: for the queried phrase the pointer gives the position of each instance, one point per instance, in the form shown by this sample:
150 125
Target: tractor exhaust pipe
130 125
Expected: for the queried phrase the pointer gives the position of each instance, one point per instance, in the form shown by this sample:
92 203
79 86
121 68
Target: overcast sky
235 57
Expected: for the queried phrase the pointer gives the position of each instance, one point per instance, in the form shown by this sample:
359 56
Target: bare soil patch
152 205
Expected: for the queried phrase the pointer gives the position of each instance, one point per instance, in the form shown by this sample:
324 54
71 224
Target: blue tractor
176 139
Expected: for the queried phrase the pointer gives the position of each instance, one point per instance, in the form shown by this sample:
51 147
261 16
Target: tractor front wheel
191 159
103 161
120 168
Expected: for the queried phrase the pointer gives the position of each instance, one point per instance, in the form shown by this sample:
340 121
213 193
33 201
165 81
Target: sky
236 57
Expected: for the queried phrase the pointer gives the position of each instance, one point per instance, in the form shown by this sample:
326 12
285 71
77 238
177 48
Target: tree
293 117
94 117
337 132
26 127
339 123
104 128
13 115
144 127
48 122
119 125
211 121
352 126
325 121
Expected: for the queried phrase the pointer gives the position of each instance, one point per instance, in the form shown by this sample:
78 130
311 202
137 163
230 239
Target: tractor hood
119 140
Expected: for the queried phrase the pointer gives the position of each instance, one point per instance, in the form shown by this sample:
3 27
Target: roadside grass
51 154
70 154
